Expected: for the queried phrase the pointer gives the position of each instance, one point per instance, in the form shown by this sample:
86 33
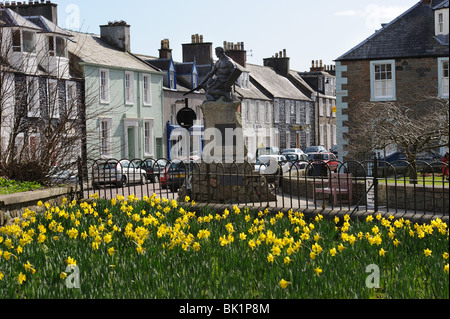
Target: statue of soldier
218 83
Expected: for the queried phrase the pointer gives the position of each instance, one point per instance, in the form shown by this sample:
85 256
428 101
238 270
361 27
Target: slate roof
93 50
10 18
47 26
412 34
276 85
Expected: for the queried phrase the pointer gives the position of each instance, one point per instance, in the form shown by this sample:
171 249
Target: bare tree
42 106
411 129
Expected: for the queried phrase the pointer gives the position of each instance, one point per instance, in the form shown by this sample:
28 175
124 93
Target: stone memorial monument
224 175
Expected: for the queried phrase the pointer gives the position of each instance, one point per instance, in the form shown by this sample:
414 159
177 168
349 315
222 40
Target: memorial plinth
224 174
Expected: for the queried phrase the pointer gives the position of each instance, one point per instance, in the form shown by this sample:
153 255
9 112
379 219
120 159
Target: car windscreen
318 157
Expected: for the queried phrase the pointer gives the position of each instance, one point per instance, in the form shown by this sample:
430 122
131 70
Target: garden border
14 205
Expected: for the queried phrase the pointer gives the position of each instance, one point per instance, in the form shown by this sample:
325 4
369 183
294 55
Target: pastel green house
124 99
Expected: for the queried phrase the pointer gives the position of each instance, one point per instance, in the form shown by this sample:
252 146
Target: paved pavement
283 203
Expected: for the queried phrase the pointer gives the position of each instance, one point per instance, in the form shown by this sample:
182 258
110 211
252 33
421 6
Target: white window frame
276 111
322 133
328 107
320 107
443 77
33 104
72 102
146 90
104 85
53 100
257 111
288 139
377 83
172 83
105 149
22 48
267 112
298 110
287 111
308 114
129 88
148 132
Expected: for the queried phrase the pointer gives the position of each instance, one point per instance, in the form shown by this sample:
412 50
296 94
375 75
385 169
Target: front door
131 143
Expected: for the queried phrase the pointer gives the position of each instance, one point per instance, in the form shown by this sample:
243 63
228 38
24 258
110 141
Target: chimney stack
47 9
280 63
198 51
117 34
236 52
427 2
165 52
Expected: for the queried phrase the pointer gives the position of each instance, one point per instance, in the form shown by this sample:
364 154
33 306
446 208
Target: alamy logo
373 280
73 17
73 277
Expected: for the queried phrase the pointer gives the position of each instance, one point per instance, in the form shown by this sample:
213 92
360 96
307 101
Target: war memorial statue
219 82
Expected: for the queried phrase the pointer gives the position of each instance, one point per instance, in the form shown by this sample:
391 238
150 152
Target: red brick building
405 61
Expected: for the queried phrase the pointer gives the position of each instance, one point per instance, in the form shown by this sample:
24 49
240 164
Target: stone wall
14 205
418 198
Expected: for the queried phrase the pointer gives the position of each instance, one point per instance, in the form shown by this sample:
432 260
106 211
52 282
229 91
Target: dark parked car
316 149
154 168
323 163
173 176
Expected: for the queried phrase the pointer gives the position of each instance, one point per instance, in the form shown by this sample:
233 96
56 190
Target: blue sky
308 30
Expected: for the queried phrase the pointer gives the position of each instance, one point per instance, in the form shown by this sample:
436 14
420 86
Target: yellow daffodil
382 252
427 252
287 260
445 255
22 278
446 268
111 251
270 258
284 284
71 262
318 271
2 275
333 252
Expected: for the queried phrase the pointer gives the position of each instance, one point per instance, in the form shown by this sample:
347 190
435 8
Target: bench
337 184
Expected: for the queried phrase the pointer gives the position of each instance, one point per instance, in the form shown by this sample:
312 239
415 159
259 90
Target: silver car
117 173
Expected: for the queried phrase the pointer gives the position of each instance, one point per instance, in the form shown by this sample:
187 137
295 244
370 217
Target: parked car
322 163
117 173
267 151
63 176
154 168
300 161
292 150
173 175
315 149
264 161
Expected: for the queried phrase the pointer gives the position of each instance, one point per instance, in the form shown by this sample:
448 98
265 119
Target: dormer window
441 21
57 46
24 41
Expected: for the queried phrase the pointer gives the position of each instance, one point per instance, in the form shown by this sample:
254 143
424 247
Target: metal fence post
375 182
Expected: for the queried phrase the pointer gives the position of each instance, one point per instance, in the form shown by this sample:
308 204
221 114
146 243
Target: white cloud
374 14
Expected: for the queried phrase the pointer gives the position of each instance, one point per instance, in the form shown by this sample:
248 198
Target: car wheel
123 183
143 180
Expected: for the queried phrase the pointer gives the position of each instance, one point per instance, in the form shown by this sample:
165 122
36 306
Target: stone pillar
224 175
223 122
